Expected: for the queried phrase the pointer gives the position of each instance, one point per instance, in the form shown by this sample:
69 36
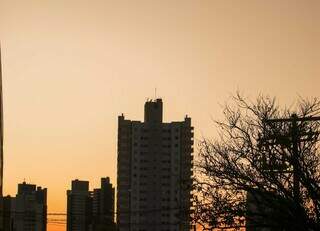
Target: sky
70 67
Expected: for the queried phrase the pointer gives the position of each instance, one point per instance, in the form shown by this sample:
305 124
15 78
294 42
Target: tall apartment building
90 211
79 207
28 210
154 172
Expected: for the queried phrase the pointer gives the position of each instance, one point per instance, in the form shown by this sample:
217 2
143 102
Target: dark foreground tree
264 169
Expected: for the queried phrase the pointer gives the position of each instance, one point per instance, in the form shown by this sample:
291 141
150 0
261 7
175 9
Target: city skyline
70 68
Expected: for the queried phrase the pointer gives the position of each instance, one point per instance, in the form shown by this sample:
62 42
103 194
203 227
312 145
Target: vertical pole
1 152
295 163
1 131
295 159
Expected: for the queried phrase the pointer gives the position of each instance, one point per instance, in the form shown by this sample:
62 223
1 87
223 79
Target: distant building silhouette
90 211
103 207
7 218
79 207
154 172
27 211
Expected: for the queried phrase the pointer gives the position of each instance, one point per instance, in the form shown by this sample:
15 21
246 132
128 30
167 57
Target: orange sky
70 67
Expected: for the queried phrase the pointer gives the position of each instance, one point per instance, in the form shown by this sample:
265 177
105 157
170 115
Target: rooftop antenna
155 93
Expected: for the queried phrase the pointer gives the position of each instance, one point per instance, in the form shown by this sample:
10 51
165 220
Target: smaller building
90 211
79 206
103 206
7 221
27 211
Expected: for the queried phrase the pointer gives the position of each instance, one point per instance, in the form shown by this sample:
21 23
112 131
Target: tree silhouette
263 172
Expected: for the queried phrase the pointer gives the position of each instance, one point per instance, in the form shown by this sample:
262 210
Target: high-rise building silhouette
154 172
28 210
103 207
79 207
90 211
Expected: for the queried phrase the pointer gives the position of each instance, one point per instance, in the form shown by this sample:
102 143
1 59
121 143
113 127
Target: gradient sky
70 67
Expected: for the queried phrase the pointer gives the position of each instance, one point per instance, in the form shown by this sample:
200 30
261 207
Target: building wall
7 216
124 173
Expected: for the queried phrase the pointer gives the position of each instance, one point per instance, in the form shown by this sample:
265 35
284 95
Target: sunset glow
71 67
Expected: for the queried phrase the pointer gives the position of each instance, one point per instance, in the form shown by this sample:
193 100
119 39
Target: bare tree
264 169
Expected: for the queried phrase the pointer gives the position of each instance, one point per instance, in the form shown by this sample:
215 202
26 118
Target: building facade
154 172
28 210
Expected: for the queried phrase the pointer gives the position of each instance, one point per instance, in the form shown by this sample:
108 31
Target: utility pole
1 152
1 131
295 158
293 139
